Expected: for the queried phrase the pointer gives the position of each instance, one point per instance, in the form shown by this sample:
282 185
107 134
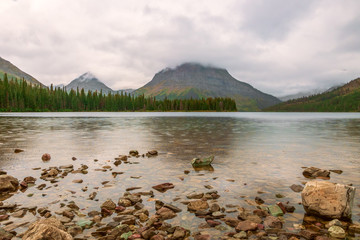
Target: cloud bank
280 47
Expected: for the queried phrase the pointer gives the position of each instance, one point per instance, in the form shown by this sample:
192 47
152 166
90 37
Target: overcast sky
278 46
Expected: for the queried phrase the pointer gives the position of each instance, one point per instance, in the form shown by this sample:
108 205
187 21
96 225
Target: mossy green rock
84 223
275 210
126 235
197 162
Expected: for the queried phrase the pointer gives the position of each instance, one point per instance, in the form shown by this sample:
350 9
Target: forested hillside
342 99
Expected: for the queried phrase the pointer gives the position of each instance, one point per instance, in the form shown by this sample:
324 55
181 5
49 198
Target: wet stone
109 205
163 187
197 205
313 172
195 195
246 226
296 188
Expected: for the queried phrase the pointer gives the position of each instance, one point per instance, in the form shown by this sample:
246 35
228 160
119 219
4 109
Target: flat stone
246 226
195 195
163 187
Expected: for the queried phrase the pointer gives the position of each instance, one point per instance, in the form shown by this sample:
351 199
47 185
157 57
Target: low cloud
280 47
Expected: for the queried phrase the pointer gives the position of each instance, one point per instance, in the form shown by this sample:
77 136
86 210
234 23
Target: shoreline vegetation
20 96
127 215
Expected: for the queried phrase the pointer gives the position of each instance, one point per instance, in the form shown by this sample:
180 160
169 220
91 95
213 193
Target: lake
256 154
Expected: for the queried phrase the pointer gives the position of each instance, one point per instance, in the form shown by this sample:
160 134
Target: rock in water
313 172
163 187
8 183
329 200
197 162
46 157
49 228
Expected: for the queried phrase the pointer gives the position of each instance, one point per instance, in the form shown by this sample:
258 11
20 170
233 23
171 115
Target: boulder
8 183
328 200
313 172
49 228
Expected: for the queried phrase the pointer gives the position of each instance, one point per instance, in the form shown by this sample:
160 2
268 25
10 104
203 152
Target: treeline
334 101
18 95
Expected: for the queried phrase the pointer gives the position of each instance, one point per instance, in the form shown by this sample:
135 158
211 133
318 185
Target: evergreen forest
18 95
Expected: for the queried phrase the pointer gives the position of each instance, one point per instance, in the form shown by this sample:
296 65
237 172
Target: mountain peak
86 77
194 80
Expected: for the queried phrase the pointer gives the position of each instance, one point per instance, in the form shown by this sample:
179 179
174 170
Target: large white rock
326 199
49 228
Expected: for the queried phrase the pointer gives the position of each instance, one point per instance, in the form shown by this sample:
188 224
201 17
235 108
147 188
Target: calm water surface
258 151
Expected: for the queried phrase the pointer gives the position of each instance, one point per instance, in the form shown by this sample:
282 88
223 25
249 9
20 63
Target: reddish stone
46 157
281 205
246 226
213 223
163 187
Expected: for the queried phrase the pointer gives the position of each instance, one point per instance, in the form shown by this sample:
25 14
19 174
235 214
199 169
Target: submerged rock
50 228
198 205
197 162
329 200
313 172
296 188
8 183
163 187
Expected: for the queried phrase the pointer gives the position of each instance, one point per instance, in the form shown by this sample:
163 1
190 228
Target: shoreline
138 208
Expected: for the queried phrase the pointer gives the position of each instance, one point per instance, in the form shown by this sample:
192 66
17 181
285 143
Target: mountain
192 80
301 94
345 98
14 72
89 82
307 94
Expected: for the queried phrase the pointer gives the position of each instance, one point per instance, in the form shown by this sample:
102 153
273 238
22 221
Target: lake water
254 152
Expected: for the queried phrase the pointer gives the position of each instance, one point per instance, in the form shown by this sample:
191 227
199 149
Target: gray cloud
280 47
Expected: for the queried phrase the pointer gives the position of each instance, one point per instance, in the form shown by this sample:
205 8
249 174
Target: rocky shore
127 215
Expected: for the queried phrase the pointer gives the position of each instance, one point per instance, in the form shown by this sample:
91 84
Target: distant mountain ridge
89 81
345 98
14 72
192 80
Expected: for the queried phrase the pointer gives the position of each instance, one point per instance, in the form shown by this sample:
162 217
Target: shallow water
258 151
